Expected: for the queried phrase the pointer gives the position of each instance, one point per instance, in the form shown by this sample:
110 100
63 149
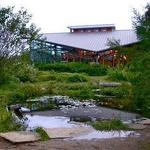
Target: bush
7 122
46 76
17 97
92 70
114 124
82 93
77 78
117 74
25 72
35 90
118 91
5 74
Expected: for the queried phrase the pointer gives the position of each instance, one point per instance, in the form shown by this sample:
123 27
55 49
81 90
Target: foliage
76 78
82 93
141 88
7 122
25 72
44 136
4 75
92 70
140 63
117 91
141 23
117 74
16 32
114 124
123 74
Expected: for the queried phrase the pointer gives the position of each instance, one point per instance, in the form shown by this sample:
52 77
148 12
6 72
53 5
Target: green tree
141 23
141 89
16 34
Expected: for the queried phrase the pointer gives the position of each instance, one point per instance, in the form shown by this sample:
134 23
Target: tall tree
141 23
16 32
140 64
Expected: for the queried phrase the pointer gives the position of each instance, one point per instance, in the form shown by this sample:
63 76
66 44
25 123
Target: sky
56 15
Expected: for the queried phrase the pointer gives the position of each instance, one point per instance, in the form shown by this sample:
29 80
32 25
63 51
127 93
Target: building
88 43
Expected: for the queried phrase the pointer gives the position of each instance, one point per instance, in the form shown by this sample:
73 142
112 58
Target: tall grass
114 124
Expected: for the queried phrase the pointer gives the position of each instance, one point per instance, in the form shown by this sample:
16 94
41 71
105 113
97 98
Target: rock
23 109
15 107
20 136
137 126
109 84
145 122
80 118
57 133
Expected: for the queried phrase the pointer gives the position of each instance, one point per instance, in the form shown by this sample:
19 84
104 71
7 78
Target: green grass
91 70
77 78
114 124
77 84
44 136
7 122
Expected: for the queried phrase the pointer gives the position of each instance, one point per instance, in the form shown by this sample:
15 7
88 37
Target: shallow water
34 121
105 135
70 109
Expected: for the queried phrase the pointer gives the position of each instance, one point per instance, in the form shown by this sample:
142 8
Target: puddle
58 122
105 135
49 122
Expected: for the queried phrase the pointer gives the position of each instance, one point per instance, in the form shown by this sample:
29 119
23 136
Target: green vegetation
114 124
91 70
7 122
21 80
44 136
77 78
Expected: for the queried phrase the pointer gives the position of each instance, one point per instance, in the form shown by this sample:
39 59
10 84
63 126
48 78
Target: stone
145 122
109 84
57 133
80 118
20 136
137 126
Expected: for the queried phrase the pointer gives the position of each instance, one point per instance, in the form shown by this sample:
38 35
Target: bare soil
131 143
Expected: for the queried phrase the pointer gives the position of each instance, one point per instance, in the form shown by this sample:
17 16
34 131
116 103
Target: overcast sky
56 15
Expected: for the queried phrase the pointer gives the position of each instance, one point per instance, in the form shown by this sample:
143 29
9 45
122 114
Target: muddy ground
131 143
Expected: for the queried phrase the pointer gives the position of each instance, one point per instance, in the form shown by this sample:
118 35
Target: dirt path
130 143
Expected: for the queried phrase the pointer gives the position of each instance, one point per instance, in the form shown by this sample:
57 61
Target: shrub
5 74
17 97
77 78
44 136
82 93
25 72
114 124
35 90
7 122
92 70
117 74
46 76
118 91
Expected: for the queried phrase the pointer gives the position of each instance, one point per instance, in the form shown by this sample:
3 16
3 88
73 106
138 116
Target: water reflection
59 122
49 122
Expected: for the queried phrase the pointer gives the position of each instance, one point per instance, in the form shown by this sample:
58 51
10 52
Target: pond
59 122
72 114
